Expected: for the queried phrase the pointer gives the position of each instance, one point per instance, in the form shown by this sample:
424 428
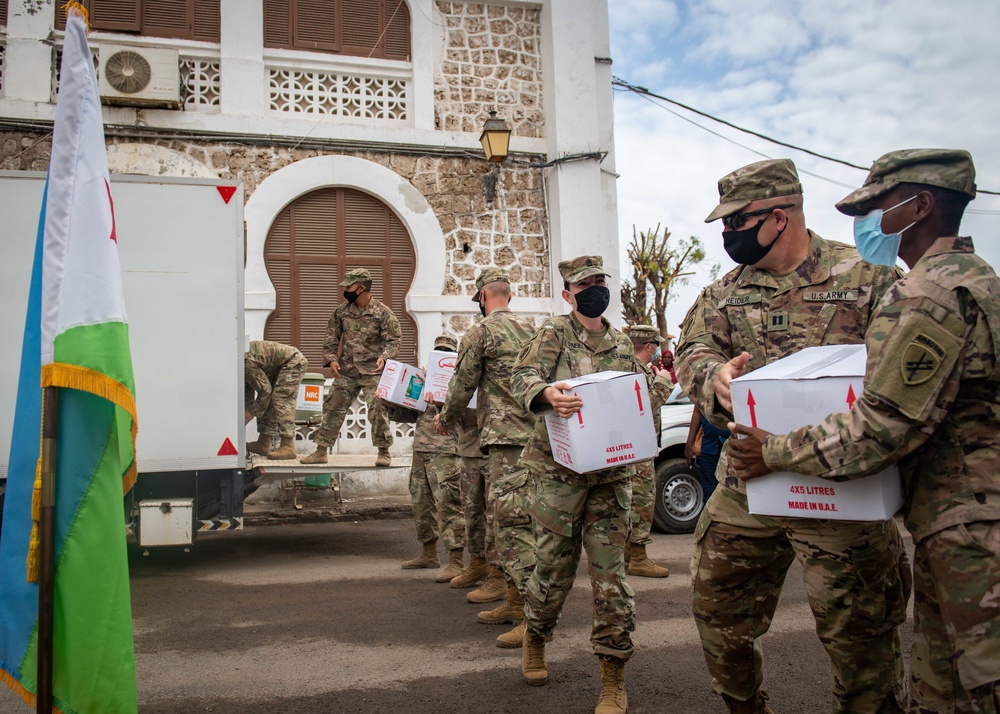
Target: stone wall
511 232
491 60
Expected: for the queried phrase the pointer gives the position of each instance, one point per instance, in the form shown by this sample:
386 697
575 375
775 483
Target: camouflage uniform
644 483
475 482
435 479
486 357
932 402
273 372
356 338
571 510
855 573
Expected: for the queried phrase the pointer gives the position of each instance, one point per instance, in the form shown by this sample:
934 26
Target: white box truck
181 248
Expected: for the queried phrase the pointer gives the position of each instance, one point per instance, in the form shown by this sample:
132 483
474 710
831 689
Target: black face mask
743 246
593 301
482 309
350 297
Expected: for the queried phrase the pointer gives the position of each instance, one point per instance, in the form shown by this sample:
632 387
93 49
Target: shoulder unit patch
921 359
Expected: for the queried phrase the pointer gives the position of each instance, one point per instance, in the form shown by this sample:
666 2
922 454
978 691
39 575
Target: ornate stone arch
285 185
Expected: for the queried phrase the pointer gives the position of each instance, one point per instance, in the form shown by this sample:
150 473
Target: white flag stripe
81 283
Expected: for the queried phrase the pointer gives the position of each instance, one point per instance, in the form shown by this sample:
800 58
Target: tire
679 498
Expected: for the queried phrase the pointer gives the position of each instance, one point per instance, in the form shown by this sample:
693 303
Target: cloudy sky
851 79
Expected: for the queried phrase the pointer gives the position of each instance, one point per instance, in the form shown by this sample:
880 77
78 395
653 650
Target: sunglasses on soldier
737 220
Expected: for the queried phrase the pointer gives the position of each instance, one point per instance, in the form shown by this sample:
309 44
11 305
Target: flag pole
46 556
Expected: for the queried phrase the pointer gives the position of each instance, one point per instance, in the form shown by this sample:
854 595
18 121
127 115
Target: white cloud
849 78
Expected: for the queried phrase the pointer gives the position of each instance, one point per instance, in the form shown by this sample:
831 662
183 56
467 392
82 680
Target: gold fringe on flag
71 376
75 8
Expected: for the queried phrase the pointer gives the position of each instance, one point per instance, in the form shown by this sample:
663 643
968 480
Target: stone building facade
288 122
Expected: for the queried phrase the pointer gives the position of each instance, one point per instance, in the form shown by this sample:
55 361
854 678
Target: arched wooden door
313 243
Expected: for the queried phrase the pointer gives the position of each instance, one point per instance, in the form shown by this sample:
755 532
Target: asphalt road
321 618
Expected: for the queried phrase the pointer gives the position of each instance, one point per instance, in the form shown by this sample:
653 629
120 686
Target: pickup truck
679 497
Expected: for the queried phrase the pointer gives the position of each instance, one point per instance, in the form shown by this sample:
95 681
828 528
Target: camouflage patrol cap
446 342
945 168
581 268
487 276
358 275
644 333
754 182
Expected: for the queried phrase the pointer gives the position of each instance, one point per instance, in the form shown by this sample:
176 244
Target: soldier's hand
439 427
564 405
732 369
380 364
335 368
746 451
429 398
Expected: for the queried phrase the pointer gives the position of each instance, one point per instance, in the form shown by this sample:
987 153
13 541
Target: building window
360 28
181 19
310 247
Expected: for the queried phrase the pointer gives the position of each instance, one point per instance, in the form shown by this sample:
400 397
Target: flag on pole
76 338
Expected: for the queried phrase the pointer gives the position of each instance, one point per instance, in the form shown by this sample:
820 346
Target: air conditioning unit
139 76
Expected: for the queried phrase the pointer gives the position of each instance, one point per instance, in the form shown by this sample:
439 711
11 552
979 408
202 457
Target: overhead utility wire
618 81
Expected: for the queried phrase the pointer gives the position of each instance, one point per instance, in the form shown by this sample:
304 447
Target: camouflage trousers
857 580
955 661
280 415
338 401
510 491
641 518
435 483
569 518
475 484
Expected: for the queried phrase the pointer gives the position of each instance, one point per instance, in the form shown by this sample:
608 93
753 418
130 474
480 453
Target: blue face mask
656 355
874 245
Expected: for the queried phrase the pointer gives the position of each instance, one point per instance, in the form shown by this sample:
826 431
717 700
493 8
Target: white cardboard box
440 368
799 390
614 428
402 384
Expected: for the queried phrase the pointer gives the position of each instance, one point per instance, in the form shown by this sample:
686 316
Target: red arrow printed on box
579 414
638 394
850 396
753 412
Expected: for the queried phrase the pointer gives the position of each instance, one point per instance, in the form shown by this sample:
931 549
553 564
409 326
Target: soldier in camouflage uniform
792 290
361 335
574 510
485 358
475 482
272 374
646 343
435 485
932 402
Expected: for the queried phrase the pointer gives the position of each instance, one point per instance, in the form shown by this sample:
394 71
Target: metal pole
46 555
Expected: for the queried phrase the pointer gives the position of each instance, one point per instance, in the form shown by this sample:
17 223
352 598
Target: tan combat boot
261 447
383 458
285 451
757 704
613 699
427 559
456 562
316 457
533 659
511 610
473 575
493 588
512 639
642 566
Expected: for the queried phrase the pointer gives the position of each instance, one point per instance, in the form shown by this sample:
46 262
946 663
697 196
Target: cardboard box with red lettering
799 390
440 368
614 427
402 384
